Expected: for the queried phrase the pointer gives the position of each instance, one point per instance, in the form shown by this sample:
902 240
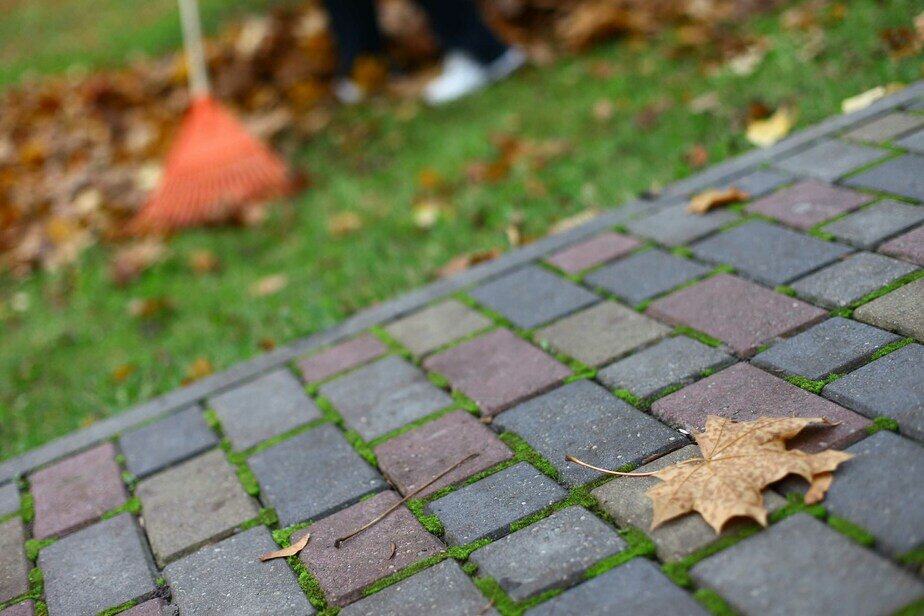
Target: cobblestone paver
609 342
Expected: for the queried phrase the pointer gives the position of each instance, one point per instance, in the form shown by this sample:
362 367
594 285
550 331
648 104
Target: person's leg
460 28
356 29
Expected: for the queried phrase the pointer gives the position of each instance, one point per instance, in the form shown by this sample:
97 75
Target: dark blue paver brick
584 420
768 253
166 442
552 553
913 142
675 361
263 408
227 578
835 346
872 225
831 159
892 386
486 508
9 499
637 587
645 275
532 296
442 589
802 562
899 176
14 568
383 396
760 182
99 567
312 475
674 226
845 282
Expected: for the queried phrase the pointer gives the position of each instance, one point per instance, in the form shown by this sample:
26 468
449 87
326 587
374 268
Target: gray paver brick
9 499
835 346
442 589
881 490
907 246
532 296
26 608
913 142
637 587
625 500
899 176
768 253
868 227
847 281
645 275
344 356
430 328
75 491
740 313
497 370
552 553
486 508
674 226
808 203
14 568
415 457
831 159
167 441
760 182
190 504
743 393
383 396
329 474
892 386
584 420
344 572
887 127
675 361
598 249
601 333
263 408
97 568
801 562
898 311
226 578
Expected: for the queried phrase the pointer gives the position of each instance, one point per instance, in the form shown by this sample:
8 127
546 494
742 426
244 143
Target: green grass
58 357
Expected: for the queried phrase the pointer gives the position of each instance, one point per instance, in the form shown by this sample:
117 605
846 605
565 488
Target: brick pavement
609 344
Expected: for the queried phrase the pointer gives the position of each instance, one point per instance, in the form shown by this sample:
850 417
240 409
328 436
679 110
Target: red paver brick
417 456
808 203
598 249
742 314
908 246
76 491
743 393
334 360
498 370
344 572
154 607
26 608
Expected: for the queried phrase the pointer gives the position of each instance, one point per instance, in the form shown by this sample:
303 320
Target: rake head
213 172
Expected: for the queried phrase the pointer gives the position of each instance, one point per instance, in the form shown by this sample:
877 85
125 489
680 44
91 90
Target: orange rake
215 169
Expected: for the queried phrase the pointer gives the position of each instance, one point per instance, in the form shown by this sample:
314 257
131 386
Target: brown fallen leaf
739 461
203 262
765 132
394 550
344 223
292 550
130 262
123 372
269 285
199 369
697 156
713 198
463 262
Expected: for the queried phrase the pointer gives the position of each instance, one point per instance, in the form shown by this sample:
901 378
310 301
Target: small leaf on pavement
709 199
292 550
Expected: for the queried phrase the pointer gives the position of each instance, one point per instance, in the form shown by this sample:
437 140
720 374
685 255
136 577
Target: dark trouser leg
356 30
459 26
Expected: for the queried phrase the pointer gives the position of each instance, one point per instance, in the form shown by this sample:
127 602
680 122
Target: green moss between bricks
213 421
689 332
34 546
119 608
132 505
891 348
679 571
913 558
429 521
785 290
308 584
888 288
27 507
41 608
882 423
265 517
813 386
394 346
523 452
852 531
714 603
414 424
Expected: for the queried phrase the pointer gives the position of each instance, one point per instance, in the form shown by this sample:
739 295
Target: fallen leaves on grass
203 262
269 285
713 198
738 461
764 132
199 369
463 262
426 213
865 99
343 224
130 262
292 550
697 156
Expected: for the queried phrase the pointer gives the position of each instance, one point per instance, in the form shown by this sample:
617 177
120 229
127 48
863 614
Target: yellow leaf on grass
269 285
292 550
865 99
199 369
426 213
767 131
706 200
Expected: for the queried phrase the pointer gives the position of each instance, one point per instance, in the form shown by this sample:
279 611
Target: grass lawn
71 354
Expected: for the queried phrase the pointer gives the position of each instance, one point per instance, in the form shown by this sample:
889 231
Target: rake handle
195 51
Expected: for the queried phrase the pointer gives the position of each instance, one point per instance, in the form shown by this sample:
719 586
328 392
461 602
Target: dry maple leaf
739 460
706 200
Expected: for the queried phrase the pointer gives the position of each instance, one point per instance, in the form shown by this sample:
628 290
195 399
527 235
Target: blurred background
620 98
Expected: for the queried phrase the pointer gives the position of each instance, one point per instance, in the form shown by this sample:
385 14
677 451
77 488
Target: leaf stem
607 471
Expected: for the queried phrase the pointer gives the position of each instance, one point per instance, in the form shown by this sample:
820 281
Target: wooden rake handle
195 51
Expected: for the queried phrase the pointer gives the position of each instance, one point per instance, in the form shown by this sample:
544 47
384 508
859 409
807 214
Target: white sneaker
461 76
510 62
348 91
